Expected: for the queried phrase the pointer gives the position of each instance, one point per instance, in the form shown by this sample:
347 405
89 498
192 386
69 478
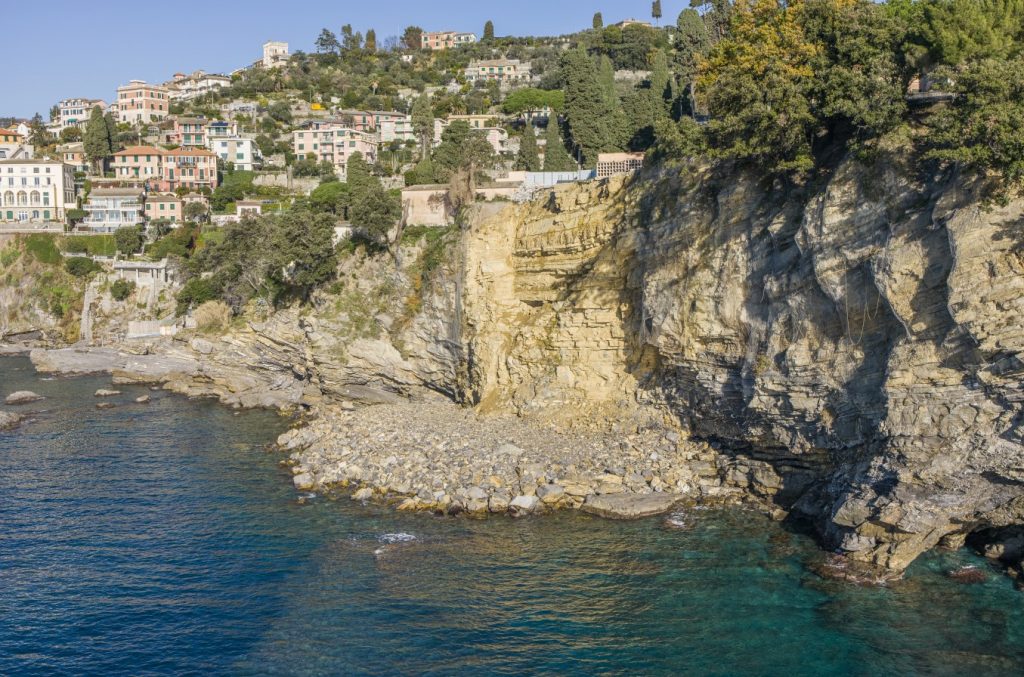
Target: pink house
167 170
138 102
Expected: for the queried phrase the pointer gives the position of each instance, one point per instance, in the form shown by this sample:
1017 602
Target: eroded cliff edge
863 337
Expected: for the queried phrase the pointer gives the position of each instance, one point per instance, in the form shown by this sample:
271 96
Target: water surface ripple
162 539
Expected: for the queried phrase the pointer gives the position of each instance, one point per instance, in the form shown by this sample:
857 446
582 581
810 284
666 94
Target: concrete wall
282 180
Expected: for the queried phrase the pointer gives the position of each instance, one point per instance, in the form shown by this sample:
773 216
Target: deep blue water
163 539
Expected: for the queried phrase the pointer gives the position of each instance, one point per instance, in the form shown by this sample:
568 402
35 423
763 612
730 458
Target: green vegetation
121 289
129 239
93 245
81 266
43 248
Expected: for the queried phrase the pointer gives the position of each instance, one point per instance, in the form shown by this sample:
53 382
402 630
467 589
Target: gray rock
364 494
202 346
476 494
304 481
105 405
550 493
626 506
524 504
9 421
103 392
23 397
142 399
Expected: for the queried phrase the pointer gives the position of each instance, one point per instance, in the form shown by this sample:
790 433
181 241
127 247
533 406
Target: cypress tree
598 21
656 11
371 41
556 159
489 31
528 158
97 141
592 116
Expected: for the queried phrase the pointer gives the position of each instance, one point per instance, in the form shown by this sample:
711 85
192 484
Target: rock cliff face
853 349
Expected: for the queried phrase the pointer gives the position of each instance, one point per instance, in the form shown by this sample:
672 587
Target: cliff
862 337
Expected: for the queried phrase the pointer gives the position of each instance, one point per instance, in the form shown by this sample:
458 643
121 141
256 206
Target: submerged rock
23 397
628 506
103 392
142 399
9 421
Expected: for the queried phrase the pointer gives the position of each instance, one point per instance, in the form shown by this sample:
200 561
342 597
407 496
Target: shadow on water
163 539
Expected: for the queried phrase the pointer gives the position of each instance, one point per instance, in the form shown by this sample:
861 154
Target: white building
275 54
243 153
36 190
219 129
112 208
187 87
501 70
13 146
76 112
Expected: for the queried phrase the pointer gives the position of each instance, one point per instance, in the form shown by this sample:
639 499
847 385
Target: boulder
105 405
103 392
629 506
524 504
9 421
550 493
364 494
23 397
304 481
142 399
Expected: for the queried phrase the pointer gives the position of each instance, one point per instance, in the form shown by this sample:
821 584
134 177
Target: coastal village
172 144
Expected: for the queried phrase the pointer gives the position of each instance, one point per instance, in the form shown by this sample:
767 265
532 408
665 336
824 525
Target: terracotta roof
202 152
141 150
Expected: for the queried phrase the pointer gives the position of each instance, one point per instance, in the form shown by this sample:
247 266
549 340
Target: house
243 153
164 207
274 54
74 154
501 70
76 112
334 143
446 40
113 208
393 126
13 146
187 87
245 208
625 23
219 129
35 190
167 170
609 164
138 102
189 131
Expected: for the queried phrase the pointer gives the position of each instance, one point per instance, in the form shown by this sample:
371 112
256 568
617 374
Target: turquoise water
163 539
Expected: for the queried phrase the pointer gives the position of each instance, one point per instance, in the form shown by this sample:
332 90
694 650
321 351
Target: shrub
43 249
213 317
196 292
121 289
81 266
76 245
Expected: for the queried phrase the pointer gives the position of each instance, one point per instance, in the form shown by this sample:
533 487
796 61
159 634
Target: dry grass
213 317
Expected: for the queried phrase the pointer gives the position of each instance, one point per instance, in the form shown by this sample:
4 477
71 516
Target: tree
196 212
656 11
54 113
556 158
983 128
461 148
121 289
327 43
755 84
371 41
966 30
528 158
37 135
129 239
81 266
98 142
412 38
598 22
333 197
280 111
489 31
304 255
70 134
590 113
423 123
350 42
377 212
530 100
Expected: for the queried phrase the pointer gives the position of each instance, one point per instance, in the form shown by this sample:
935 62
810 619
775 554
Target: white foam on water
396 538
677 520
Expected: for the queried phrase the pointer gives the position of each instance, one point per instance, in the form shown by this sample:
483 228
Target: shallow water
163 539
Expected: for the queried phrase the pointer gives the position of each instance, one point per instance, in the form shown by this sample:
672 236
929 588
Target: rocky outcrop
857 342
22 397
9 421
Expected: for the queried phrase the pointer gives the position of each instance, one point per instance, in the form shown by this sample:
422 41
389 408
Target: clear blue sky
67 48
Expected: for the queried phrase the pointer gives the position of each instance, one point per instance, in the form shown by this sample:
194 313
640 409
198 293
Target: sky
87 49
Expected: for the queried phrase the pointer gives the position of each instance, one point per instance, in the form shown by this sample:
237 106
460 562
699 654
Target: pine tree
598 21
656 11
327 43
528 158
371 41
556 158
489 31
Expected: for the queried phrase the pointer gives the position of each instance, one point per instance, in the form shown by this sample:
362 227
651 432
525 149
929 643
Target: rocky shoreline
439 457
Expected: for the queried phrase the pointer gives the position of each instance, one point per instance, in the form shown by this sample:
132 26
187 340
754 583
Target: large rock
23 397
630 506
9 421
